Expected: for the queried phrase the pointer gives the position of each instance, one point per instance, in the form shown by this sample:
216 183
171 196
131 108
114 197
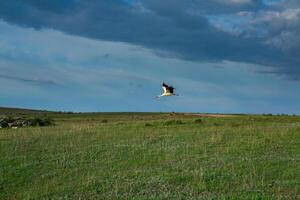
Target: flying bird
168 91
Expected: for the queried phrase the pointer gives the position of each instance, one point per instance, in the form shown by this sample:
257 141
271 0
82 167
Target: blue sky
235 56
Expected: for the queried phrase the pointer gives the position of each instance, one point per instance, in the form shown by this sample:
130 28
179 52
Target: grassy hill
152 156
20 111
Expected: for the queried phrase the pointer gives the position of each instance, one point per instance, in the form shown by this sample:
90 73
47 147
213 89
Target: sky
233 56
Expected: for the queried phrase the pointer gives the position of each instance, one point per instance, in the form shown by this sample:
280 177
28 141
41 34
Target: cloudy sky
223 56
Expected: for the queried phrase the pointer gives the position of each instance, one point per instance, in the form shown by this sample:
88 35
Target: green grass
152 156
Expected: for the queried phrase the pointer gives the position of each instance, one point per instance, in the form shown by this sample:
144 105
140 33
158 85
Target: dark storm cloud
203 7
178 27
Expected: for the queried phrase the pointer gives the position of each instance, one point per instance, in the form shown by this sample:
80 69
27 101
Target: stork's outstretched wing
168 89
171 89
165 85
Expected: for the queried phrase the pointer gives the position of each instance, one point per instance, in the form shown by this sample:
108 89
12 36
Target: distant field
152 156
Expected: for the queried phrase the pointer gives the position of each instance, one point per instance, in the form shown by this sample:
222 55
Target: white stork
168 91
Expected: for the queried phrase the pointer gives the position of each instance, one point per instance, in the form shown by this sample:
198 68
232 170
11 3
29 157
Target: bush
4 124
198 121
41 122
217 124
104 121
148 124
268 114
173 122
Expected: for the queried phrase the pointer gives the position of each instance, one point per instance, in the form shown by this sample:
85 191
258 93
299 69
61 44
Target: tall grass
175 157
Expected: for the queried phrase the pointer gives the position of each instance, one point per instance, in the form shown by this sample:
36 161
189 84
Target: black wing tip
167 86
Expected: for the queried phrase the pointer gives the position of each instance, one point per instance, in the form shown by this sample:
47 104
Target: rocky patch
18 122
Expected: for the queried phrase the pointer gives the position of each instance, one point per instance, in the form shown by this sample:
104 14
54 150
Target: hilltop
21 111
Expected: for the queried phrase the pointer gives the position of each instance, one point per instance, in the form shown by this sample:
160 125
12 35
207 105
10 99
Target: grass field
152 156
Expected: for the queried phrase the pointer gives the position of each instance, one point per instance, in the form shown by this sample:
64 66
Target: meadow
152 156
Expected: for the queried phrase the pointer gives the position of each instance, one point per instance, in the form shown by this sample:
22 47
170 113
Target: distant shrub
4 124
217 124
198 121
104 120
173 122
41 121
269 114
148 124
